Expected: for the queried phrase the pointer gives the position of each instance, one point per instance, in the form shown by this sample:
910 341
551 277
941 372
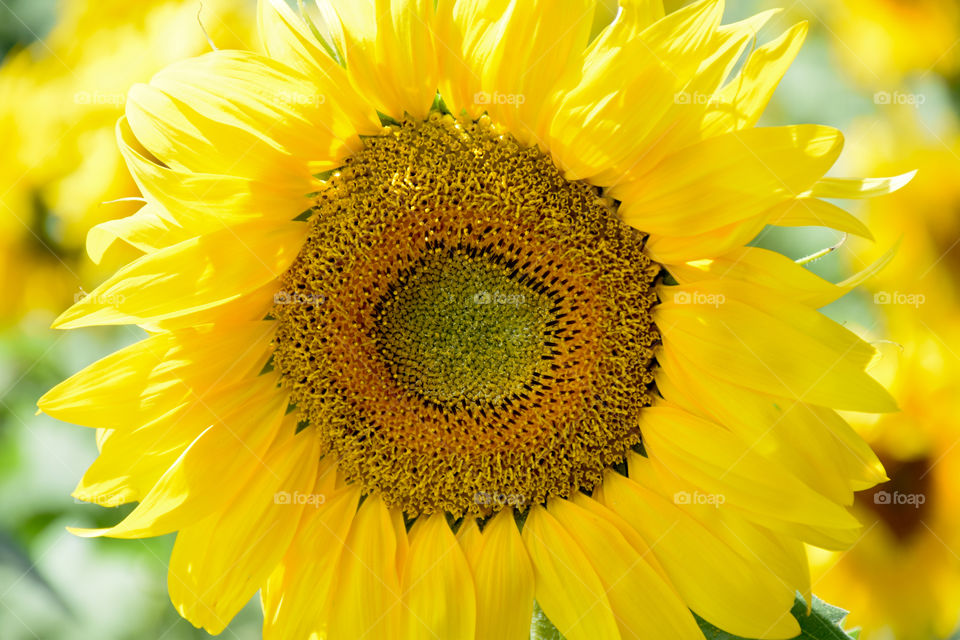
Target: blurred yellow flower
87 63
903 576
59 103
31 276
922 219
880 41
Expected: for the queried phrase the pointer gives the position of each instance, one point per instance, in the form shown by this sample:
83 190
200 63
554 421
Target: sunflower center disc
464 329
458 328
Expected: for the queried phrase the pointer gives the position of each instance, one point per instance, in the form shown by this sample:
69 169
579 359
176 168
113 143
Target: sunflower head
474 326
502 343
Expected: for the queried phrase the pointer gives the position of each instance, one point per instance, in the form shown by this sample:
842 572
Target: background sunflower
884 71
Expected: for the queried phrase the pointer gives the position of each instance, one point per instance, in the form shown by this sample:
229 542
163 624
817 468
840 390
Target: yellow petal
195 275
297 597
232 448
643 603
471 540
633 16
712 458
389 49
811 212
145 230
743 598
151 378
267 100
203 202
567 586
186 141
438 595
745 97
594 505
491 62
218 564
603 127
681 124
133 460
758 266
756 339
253 306
504 582
669 250
287 38
803 438
243 112
860 464
401 537
860 187
777 304
776 272
784 439
728 179
782 555
367 596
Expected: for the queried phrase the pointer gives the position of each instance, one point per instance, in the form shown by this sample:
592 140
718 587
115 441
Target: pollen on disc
464 328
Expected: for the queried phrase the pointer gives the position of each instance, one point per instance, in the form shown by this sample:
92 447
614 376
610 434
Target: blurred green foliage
21 21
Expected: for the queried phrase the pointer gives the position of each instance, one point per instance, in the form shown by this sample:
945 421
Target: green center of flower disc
464 329
459 328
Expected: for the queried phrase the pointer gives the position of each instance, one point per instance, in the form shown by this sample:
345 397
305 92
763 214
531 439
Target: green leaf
541 628
825 622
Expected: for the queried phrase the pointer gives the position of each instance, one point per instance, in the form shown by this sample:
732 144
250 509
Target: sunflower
451 312
41 284
876 40
927 257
